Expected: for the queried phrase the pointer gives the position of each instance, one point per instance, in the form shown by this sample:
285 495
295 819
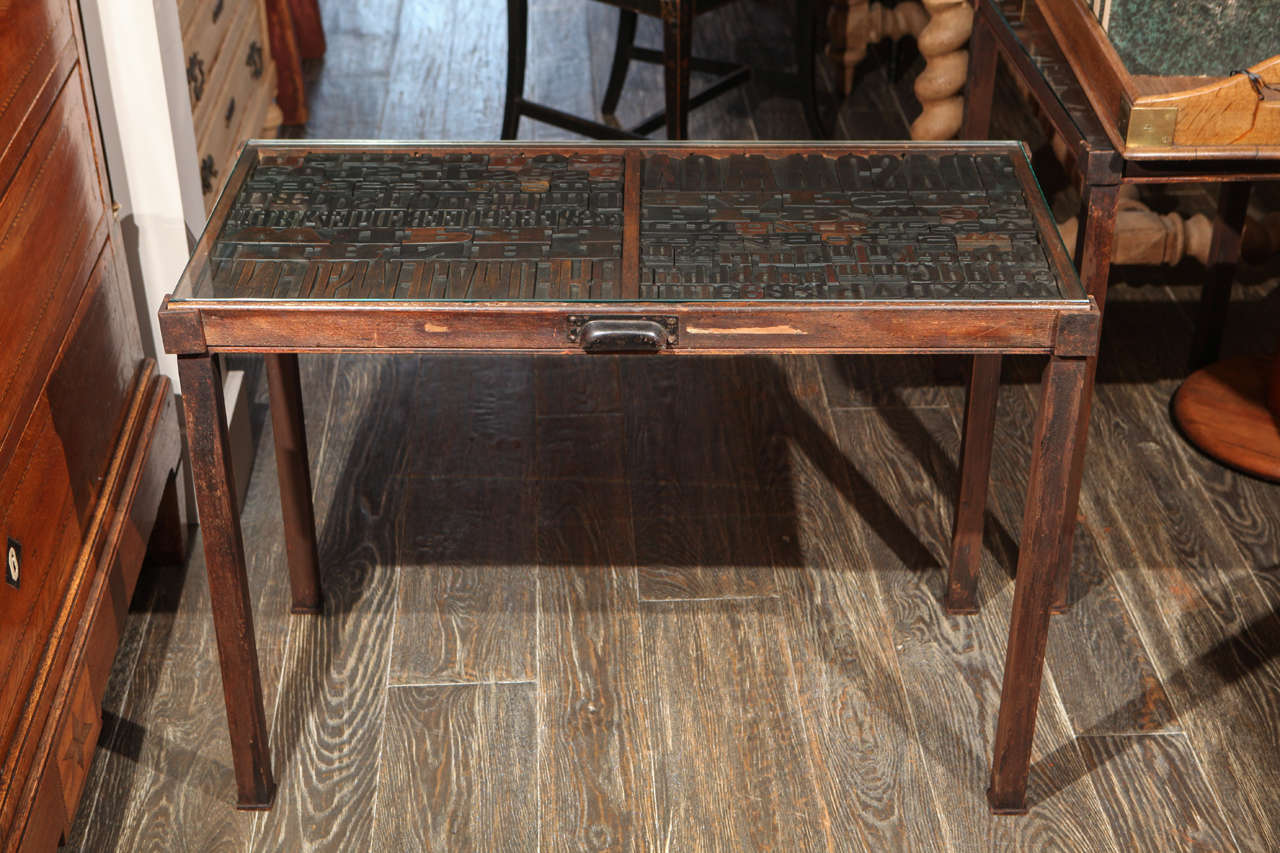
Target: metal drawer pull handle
623 336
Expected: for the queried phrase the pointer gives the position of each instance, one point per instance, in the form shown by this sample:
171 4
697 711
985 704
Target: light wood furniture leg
938 87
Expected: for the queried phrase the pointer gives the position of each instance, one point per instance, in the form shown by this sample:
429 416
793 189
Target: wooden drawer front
252 122
204 12
46 825
39 526
37 50
213 57
49 490
240 106
89 388
53 223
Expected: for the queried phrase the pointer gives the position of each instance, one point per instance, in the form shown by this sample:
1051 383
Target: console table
665 250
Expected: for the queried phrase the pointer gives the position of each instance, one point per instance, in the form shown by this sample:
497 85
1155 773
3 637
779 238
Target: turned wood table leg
517 39
938 87
677 47
210 456
1064 395
975 472
1092 253
1224 254
294 473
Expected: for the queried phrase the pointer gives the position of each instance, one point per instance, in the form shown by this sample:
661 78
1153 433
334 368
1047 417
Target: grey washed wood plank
459 769
595 758
466 602
732 766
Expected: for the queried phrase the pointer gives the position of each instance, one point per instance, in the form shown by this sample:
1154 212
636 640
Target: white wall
138 70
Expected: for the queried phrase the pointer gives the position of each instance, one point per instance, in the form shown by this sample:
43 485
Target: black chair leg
806 69
1224 255
621 60
517 38
677 46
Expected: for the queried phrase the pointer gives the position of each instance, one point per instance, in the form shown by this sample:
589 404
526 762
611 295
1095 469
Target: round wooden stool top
1231 411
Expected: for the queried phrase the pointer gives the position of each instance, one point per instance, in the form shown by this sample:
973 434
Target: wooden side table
662 250
1012 32
1231 411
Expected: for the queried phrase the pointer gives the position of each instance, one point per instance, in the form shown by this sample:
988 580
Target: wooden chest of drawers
88 431
231 81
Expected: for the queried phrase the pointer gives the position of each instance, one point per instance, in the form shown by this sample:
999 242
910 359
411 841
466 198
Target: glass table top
608 223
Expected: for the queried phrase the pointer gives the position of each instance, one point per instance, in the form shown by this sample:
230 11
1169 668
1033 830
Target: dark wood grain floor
695 605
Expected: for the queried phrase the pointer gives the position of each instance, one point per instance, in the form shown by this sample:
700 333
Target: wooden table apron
1066 330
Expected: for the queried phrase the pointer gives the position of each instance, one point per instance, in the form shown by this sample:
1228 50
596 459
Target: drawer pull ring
208 171
195 76
254 60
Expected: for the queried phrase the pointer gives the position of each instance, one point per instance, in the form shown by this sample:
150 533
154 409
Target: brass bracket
1150 127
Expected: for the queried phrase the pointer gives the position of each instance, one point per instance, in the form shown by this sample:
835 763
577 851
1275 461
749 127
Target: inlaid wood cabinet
89 445
231 81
